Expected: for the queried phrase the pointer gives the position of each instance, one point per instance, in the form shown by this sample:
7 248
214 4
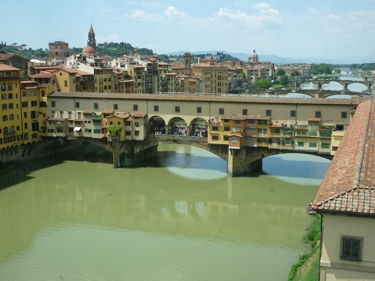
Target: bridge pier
243 161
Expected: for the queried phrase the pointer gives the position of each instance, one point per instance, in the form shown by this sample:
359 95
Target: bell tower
187 65
91 38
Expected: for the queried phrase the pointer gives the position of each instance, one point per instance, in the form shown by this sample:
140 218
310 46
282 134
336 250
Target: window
312 144
318 114
234 140
244 111
251 121
115 106
325 134
300 143
96 105
24 104
313 134
292 113
199 109
136 133
77 104
251 130
65 83
268 112
221 110
227 129
226 138
215 128
33 114
135 107
343 115
324 145
25 115
351 248
25 125
128 133
156 108
34 103
177 109
4 106
136 124
215 138
237 121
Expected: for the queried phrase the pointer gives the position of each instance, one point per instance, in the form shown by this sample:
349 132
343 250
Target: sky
286 28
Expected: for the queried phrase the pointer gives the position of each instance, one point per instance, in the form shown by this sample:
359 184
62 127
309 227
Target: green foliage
294 73
262 84
278 86
284 80
312 237
322 69
280 71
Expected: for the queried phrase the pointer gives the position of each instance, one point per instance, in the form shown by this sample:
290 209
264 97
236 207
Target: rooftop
209 97
349 184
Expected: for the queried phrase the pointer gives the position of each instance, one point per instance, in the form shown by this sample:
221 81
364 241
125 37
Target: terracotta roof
77 120
139 114
5 67
108 111
43 74
88 112
349 184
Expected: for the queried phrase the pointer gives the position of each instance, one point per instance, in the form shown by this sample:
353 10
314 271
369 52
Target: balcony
301 127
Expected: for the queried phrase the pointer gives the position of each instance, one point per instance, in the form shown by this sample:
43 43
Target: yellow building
11 129
214 78
32 118
103 79
66 79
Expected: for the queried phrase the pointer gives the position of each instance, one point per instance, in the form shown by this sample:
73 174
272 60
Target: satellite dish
234 130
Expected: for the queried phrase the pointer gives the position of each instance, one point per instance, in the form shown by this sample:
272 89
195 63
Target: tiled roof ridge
357 177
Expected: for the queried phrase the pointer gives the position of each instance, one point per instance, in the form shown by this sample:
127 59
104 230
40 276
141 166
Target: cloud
140 15
172 12
313 11
261 6
265 17
332 17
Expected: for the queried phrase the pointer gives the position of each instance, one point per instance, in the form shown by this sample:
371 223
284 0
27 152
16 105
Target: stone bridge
239 161
344 83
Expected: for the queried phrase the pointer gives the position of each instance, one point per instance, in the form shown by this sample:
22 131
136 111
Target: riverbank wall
36 150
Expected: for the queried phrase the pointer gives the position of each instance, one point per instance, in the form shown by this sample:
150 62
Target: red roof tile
349 184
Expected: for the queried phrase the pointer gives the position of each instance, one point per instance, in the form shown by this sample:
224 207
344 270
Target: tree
280 71
284 80
294 73
262 84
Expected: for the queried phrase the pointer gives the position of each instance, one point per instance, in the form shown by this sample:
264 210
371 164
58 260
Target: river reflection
75 217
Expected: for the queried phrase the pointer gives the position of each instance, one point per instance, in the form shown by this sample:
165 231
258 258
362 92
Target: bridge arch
198 127
156 126
178 126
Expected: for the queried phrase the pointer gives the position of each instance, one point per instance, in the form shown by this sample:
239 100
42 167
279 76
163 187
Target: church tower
187 66
91 38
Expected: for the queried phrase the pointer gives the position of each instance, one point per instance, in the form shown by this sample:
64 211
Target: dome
253 57
88 50
254 54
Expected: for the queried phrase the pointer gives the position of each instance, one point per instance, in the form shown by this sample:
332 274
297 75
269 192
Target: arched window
10 106
10 96
11 117
4 106
5 118
6 132
11 131
3 86
3 96
10 86
43 93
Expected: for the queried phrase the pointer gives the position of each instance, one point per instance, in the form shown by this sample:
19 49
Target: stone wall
35 150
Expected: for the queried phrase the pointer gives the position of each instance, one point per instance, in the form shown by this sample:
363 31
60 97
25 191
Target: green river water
180 217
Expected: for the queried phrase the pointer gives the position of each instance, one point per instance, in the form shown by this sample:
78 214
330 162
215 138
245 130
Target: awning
77 129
